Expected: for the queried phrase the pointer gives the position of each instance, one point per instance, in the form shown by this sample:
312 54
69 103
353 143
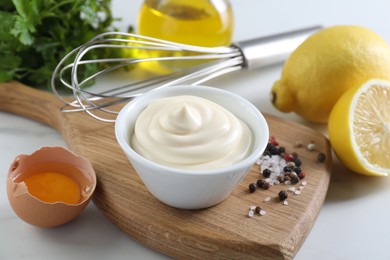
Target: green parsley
36 34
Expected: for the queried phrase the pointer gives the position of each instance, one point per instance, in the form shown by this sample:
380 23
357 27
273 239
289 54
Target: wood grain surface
220 232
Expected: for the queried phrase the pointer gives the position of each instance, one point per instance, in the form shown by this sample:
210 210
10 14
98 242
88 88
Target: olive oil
197 22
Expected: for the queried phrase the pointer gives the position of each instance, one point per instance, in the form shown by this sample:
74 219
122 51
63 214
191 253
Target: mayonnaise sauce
190 132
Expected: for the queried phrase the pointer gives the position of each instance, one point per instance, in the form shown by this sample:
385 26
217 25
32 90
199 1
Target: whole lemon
327 64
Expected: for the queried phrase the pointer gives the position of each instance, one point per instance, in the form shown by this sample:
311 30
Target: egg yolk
53 187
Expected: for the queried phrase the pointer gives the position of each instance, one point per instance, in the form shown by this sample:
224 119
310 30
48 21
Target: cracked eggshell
49 159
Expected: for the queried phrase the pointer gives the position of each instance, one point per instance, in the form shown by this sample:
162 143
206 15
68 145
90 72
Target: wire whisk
150 63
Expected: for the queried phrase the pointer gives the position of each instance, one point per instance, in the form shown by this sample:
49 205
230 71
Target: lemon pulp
359 128
371 125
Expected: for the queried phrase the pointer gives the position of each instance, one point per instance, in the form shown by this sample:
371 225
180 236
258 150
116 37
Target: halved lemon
359 128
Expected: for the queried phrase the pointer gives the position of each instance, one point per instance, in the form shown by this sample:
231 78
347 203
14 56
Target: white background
354 221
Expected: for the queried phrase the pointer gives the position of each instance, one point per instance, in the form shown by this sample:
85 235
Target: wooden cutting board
223 231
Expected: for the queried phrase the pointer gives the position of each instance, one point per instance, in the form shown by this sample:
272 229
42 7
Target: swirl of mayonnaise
190 132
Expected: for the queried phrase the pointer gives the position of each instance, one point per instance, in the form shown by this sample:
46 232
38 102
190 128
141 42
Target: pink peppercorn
288 157
273 141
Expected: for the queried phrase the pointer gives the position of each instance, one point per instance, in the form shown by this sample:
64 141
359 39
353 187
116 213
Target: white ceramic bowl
187 189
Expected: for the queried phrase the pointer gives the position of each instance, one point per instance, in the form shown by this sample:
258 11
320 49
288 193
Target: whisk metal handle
274 49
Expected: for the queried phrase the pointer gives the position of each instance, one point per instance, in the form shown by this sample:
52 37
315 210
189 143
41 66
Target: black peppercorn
267 153
321 157
274 150
297 170
252 187
258 209
266 173
269 147
283 195
297 162
287 169
260 183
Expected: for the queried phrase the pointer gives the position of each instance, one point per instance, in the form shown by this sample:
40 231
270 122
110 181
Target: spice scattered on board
277 166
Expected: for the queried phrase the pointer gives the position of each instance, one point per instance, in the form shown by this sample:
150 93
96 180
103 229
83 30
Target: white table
354 221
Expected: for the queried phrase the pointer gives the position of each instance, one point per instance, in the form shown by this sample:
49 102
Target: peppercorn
282 195
267 153
297 170
301 175
291 164
258 209
269 146
288 157
297 162
252 187
266 173
294 179
287 168
280 178
265 186
282 149
274 150
273 141
260 183
321 157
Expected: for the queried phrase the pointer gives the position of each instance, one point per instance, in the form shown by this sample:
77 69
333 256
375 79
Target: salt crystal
301 187
285 202
251 213
297 192
291 189
262 212
267 199
287 182
304 183
252 207
311 147
258 162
